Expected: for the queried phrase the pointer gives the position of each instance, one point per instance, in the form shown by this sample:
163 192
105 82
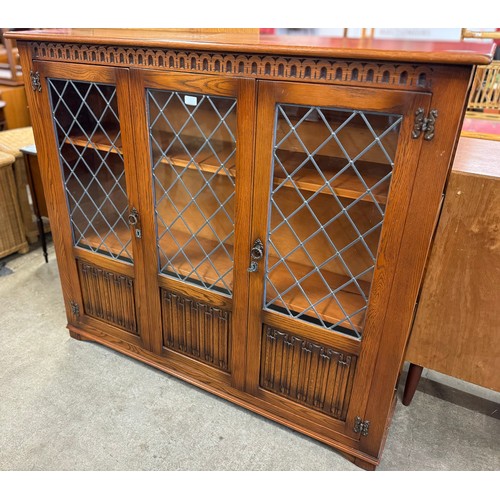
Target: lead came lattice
323 240
89 140
193 148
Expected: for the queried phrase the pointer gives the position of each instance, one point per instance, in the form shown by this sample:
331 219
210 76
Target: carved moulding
343 72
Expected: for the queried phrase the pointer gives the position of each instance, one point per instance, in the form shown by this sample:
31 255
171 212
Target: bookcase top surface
468 53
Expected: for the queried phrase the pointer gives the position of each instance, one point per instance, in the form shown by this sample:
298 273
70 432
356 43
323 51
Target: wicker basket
11 141
12 238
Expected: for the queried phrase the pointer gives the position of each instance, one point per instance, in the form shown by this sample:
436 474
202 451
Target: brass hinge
425 125
35 81
75 308
361 426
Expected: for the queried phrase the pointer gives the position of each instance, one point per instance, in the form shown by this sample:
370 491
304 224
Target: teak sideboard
251 214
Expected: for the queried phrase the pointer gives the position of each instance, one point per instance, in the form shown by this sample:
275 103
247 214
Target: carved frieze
341 72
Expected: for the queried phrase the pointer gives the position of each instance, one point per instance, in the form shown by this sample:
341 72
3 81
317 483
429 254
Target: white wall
443 34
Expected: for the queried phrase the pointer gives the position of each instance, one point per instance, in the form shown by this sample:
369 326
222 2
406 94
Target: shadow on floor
454 395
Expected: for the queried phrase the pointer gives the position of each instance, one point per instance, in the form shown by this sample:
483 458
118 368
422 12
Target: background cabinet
252 226
461 276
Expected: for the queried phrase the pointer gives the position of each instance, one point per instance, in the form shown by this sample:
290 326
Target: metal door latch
133 220
256 253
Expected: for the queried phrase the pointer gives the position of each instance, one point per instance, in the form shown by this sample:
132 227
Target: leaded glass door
90 111
330 161
199 144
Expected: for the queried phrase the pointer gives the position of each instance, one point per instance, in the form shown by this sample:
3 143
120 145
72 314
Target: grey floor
70 405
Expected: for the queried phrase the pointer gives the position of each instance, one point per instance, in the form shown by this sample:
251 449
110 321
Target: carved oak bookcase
247 213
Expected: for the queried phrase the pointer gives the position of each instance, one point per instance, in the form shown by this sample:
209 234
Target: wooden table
457 324
36 188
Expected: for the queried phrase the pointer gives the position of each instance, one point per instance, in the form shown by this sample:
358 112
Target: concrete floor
70 405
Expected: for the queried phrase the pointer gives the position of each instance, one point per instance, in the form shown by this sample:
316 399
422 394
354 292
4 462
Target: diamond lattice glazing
193 149
87 127
332 170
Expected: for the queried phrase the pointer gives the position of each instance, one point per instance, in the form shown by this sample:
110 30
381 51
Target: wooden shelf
206 160
347 184
219 259
328 310
177 155
99 141
114 246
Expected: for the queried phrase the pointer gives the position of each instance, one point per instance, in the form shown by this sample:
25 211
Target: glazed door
335 168
90 112
196 139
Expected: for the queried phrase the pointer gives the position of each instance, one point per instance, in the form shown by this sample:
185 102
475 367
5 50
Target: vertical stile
188 319
167 307
195 313
313 372
286 363
98 302
341 384
278 366
267 342
332 385
131 305
320 385
181 332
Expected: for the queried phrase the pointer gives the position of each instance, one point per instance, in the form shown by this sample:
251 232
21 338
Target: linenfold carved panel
195 329
108 296
342 72
310 374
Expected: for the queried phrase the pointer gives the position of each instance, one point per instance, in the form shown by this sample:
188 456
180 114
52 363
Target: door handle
256 253
133 220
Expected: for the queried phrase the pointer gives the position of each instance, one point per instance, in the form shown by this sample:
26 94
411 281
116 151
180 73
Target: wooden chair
10 71
482 119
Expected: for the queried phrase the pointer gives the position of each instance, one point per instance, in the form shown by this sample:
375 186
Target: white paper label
190 100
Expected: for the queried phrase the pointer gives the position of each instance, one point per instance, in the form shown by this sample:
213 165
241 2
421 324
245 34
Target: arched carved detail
342 72
268 67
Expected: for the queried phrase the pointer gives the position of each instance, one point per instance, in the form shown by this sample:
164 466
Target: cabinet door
335 169
195 139
90 112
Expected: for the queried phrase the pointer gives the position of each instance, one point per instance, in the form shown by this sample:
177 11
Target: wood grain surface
367 48
457 325
244 364
16 106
